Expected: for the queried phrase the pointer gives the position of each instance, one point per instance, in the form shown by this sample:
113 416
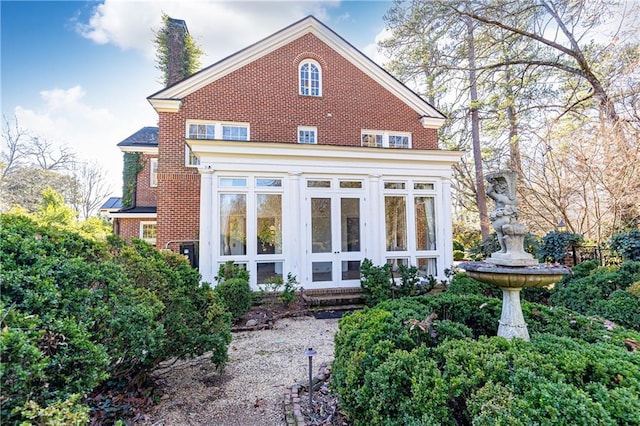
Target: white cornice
281 38
152 150
165 105
431 122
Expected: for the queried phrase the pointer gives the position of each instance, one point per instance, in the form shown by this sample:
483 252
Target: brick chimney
176 47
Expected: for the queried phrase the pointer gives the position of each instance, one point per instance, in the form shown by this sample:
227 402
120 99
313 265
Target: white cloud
373 51
220 28
92 133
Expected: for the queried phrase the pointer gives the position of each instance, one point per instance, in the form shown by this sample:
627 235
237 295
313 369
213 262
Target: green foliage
627 244
573 368
458 255
229 270
463 284
289 290
555 245
190 55
483 249
69 412
376 282
236 295
596 290
77 311
130 169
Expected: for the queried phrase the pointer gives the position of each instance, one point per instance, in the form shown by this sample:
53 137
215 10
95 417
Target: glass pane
396 223
234 133
321 271
321 225
269 223
350 224
233 224
350 184
394 185
398 141
229 182
268 270
425 223
318 184
422 185
350 269
395 263
427 267
264 182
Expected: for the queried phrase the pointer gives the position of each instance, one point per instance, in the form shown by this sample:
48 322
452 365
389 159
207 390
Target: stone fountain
511 268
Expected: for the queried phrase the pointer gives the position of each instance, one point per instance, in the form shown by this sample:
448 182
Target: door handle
336 252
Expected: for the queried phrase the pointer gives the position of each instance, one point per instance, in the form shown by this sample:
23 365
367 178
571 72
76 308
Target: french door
335 240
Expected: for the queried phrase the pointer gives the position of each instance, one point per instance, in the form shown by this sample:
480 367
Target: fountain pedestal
512 322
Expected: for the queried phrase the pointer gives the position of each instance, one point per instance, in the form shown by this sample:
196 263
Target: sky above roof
78 73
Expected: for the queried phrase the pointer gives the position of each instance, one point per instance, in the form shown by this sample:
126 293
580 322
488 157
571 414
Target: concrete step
333 297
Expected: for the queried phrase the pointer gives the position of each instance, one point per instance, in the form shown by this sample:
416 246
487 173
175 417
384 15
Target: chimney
176 39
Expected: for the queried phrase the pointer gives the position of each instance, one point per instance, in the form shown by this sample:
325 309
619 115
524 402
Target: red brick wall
145 195
129 228
264 93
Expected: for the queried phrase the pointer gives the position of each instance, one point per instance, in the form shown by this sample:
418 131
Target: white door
335 240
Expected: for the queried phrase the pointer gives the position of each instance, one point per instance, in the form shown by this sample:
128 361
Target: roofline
137 148
167 99
133 215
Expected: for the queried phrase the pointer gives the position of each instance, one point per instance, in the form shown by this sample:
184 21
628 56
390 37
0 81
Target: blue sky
78 73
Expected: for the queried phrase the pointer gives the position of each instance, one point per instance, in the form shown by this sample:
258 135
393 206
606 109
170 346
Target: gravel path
249 392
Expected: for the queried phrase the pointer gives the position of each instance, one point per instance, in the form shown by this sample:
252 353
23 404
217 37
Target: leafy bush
584 372
230 270
289 290
627 244
461 283
75 312
555 245
236 295
598 291
376 282
458 255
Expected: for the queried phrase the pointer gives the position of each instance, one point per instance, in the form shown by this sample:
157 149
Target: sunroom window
218 130
310 78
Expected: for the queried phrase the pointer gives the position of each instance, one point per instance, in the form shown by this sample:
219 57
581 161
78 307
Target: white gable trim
161 100
143 149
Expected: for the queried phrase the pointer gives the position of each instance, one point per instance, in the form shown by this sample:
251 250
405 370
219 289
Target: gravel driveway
249 392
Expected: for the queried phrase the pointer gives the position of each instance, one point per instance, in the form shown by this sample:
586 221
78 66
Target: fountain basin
541 275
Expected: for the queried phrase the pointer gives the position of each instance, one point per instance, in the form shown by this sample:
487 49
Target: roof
168 99
113 203
145 139
135 213
139 209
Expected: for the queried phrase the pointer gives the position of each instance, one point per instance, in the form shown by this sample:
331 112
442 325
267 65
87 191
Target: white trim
117 215
140 234
152 150
309 25
319 67
385 137
165 105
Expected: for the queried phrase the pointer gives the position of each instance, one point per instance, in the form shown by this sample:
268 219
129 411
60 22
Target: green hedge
573 368
236 295
75 312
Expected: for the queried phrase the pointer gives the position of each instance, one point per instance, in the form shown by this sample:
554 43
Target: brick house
297 154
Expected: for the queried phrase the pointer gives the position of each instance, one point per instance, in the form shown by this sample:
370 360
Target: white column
207 200
375 222
295 256
445 219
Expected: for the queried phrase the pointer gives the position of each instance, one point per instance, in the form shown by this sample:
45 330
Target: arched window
310 78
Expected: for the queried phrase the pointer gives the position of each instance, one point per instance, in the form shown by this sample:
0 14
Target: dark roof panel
112 203
147 136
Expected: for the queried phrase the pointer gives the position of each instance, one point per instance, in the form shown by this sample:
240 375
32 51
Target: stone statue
504 219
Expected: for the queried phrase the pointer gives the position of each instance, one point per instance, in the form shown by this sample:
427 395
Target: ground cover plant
79 314
436 360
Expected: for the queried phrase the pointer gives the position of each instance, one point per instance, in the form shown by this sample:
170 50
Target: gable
169 99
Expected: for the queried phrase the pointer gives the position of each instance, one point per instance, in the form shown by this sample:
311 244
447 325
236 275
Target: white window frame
311 130
153 172
384 136
216 133
307 90
142 225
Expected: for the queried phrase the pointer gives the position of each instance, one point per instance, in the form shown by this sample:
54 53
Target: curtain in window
425 223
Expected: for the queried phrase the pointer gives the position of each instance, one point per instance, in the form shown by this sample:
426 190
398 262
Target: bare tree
13 147
90 187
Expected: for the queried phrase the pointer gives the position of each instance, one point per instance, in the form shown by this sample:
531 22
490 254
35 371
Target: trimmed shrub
387 375
627 244
555 244
236 295
75 312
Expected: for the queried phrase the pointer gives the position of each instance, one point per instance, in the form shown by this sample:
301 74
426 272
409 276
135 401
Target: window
153 172
310 78
269 223
307 134
395 214
148 232
233 224
385 139
215 130
425 223
190 159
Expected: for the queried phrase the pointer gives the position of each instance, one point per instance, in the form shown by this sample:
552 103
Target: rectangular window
266 183
218 130
307 134
318 184
153 172
394 185
269 223
148 232
234 133
395 213
385 139
233 224
266 270
425 223
427 267
190 159
350 184
423 186
202 131
232 182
